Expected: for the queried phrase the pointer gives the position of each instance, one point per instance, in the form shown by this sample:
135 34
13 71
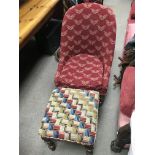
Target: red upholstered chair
87 47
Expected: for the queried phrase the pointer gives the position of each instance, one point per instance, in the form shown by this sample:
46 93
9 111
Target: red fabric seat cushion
127 98
82 71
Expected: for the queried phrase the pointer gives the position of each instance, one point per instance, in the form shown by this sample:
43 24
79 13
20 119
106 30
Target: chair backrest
88 28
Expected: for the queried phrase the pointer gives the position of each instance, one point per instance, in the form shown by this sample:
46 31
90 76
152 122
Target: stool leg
89 149
102 97
51 143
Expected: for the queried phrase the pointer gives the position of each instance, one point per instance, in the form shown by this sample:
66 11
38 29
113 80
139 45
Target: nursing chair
87 47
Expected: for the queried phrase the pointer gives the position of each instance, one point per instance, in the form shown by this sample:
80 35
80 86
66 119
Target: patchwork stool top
71 115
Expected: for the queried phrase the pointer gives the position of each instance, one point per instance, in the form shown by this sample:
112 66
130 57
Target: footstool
71 115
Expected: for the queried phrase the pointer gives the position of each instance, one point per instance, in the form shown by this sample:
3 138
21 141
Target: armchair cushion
82 71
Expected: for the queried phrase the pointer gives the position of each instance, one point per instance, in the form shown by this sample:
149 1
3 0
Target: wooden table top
32 14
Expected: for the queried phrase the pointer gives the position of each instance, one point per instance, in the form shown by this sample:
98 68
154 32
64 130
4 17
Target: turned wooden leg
89 149
51 143
102 97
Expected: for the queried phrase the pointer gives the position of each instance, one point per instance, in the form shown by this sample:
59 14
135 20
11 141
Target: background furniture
127 83
127 105
32 16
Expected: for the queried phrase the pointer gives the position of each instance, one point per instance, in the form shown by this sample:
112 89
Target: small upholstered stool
71 115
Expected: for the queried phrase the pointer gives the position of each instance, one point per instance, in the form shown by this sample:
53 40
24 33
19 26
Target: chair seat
82 71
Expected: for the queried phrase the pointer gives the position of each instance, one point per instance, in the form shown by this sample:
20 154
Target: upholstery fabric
82 71
88 28
127 97
71 115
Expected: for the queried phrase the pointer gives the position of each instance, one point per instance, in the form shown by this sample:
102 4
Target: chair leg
89 149
51 143
123 138
102 97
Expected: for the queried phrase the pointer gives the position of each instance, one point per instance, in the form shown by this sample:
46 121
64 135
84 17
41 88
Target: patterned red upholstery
127 98
82 70
88 32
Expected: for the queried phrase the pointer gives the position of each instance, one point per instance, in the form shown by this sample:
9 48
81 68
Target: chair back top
89 28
